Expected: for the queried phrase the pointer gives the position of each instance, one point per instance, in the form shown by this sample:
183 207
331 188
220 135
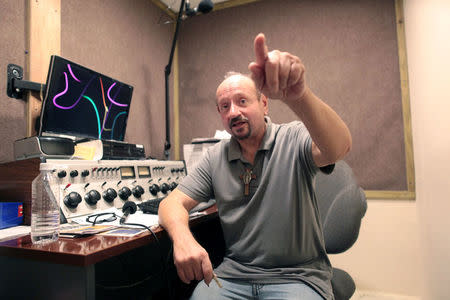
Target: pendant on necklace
246 178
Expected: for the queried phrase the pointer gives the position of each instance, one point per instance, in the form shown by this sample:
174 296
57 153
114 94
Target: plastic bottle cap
46 167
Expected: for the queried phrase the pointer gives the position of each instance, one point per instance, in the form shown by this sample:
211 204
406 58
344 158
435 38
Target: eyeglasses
101 218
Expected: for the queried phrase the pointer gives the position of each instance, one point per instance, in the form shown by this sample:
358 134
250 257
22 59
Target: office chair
342 205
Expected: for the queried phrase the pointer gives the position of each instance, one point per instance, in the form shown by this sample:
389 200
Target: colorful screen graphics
83 103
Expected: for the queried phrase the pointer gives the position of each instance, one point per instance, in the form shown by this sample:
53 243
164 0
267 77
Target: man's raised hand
279 75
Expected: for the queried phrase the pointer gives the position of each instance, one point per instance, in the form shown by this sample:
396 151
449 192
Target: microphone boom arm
167 72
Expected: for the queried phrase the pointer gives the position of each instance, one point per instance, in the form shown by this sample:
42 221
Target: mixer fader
87 187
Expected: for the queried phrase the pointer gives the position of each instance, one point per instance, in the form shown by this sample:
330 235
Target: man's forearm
174 217
190 258
328 131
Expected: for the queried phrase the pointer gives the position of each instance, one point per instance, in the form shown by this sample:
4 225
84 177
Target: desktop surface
86 250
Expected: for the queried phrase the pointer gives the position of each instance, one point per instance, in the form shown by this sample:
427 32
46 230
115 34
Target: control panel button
138 191
62 174
165 188
109 195
173 185
72 200
124 193
154 189
92 197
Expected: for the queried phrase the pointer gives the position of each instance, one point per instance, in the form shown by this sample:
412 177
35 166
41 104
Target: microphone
204 7
128 208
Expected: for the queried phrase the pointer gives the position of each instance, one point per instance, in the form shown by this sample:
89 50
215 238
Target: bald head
239 79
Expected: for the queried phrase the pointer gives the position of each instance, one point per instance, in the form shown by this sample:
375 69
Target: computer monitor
82 103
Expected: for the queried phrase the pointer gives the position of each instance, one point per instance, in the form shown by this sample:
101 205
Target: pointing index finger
261 51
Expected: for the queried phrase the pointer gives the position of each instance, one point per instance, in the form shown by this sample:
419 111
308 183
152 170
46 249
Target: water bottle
44 208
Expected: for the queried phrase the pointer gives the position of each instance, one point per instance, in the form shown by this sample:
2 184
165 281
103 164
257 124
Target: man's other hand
192 261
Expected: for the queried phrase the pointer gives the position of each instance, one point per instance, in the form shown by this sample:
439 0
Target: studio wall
351 56
13 125
129 41
126 40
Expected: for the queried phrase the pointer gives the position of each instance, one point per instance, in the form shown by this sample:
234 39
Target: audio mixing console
88 187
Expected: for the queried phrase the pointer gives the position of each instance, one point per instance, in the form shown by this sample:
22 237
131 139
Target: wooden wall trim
406 107
43 39
387 195
232 3
165 8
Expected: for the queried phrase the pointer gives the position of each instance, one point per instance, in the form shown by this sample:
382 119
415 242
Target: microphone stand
167 72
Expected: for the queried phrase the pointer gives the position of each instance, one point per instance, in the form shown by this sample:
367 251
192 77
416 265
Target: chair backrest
342 204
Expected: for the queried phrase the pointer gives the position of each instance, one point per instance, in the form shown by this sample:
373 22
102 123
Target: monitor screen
83 103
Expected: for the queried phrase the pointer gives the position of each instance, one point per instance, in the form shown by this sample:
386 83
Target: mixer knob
62 174
138 191
73 173
173 185
154 189
72 200
109 195
92 197
165 188
85 173
124 193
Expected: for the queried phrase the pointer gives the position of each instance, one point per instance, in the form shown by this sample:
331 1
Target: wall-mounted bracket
15 86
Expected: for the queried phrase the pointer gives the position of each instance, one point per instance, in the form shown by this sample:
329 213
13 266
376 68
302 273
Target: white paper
222 134
138 217
14 232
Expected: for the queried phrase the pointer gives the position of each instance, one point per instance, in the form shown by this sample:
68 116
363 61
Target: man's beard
240 119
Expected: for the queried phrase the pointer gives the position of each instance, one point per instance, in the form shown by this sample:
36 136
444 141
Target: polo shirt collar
234 151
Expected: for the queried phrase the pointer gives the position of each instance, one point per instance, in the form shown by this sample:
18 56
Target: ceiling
174 5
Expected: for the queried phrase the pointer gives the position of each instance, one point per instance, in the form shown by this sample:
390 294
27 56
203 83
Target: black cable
120 287
163 263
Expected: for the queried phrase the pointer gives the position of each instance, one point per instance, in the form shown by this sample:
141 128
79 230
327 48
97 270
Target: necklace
246 178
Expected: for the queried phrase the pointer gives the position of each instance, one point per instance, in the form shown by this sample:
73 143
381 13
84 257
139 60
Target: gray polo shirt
273 234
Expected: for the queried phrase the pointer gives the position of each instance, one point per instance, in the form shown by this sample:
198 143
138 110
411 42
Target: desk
66 269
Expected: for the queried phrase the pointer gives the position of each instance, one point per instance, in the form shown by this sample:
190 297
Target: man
263 181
